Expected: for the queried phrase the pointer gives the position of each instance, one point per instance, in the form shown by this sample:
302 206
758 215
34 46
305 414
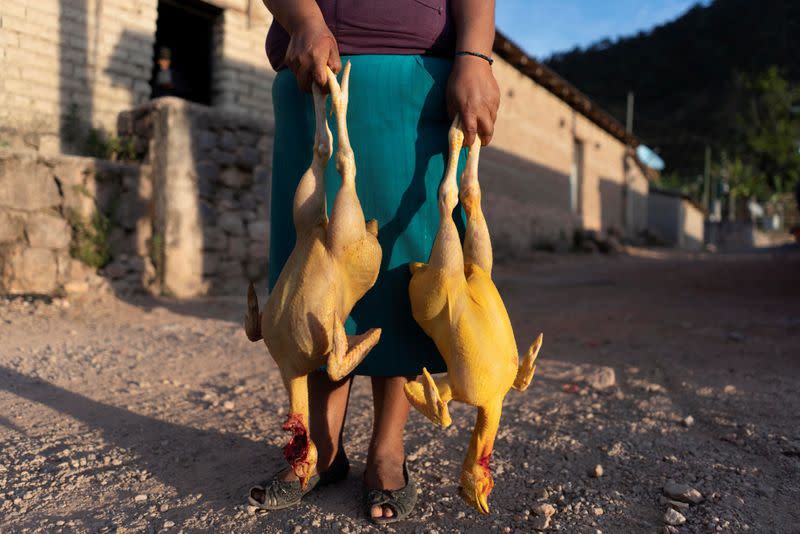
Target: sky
542 27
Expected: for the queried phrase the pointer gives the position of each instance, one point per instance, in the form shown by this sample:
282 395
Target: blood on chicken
297 449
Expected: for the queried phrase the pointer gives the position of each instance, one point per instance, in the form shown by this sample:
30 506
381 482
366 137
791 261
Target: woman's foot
389 506
386 455
384 473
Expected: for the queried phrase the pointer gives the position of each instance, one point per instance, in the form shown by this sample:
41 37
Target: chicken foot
528 365
446 254
431 397
477 243
349 351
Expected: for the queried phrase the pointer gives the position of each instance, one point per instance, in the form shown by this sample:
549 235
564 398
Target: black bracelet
476 54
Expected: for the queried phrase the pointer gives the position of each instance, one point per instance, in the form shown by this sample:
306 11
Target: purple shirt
378 27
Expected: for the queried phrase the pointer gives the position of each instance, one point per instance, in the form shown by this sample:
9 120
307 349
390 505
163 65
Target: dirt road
133 414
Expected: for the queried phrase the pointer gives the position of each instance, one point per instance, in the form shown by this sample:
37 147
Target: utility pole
707 180
629 116
726 178
627 214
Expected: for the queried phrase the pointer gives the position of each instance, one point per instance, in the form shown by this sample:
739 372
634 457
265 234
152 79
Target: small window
182 54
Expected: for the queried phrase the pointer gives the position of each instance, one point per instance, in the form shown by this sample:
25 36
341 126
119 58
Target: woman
415 64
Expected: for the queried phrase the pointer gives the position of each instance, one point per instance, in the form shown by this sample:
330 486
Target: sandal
276 494
401 501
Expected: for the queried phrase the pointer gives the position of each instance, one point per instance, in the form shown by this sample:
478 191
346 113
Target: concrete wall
84 61
528 167
637 193
692 236
676 221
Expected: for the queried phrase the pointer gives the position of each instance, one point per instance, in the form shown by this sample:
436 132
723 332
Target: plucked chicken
456 303
333 264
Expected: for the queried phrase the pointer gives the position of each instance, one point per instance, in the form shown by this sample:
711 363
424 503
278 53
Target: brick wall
242 76
28 96
87 60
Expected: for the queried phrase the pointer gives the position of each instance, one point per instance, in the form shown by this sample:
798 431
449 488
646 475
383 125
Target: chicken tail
252 319
528 366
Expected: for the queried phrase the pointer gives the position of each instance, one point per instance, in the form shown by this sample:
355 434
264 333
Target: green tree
683 75
743 180
677 182
768 126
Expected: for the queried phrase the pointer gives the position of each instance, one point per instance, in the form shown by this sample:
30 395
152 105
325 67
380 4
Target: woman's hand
312 47
472 92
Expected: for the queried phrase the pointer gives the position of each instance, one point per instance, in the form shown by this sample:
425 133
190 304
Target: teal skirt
398 127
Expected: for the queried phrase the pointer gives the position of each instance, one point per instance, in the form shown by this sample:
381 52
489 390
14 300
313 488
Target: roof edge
543 75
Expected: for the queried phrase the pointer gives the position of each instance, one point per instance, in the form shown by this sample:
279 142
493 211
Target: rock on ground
673 517
682 492
602 378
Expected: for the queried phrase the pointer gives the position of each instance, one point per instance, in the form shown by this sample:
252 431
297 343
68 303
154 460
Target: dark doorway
183 50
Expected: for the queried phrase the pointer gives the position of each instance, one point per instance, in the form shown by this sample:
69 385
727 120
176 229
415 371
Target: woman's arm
312 46
472 91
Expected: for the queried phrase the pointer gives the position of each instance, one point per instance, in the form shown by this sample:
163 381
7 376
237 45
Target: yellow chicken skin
333 264
456 303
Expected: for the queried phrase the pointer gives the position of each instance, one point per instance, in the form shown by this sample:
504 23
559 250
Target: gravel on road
666 399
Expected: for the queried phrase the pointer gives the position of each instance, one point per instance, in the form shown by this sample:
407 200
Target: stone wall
190 219
70 65
211 172
58 212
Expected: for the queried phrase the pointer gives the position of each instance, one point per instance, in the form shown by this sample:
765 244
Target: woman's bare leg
386 450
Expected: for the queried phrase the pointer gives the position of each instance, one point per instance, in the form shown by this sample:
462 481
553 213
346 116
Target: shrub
89 238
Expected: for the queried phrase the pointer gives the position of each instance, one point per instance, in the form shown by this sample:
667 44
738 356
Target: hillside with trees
723 75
